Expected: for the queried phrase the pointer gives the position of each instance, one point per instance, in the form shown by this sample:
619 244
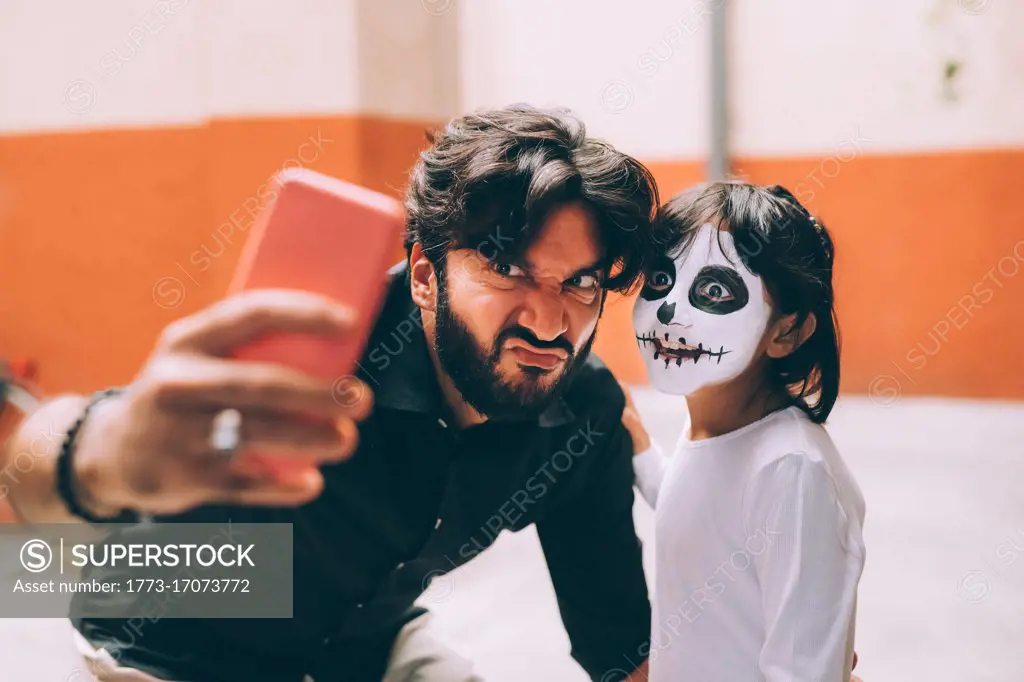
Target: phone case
327 236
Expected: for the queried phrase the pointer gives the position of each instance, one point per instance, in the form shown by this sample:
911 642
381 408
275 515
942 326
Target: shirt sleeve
595 561
808 570
649 469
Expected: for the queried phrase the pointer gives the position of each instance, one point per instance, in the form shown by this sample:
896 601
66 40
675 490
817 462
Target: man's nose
544 314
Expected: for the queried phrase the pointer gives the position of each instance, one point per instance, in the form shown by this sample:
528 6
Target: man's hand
148 448
631 420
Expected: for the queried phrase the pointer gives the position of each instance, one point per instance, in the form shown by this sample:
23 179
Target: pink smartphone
330 237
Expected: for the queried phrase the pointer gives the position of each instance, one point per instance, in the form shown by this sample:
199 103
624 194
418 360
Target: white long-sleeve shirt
758 552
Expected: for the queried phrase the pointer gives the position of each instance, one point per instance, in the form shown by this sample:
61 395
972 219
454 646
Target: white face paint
700 318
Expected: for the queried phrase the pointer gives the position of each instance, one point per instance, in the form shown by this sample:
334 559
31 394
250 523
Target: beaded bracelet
65 468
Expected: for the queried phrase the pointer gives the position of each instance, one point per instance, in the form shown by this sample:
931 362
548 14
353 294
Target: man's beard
474 371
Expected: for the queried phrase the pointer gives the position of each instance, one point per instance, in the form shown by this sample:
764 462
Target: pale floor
941 600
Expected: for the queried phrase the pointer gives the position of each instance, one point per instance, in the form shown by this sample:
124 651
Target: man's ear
423 279
786 337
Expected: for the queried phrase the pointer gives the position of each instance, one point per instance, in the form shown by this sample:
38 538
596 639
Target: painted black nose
665 312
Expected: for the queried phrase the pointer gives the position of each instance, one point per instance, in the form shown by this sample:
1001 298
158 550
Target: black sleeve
595 560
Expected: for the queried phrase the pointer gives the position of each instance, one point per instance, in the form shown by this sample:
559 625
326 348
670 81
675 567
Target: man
488 415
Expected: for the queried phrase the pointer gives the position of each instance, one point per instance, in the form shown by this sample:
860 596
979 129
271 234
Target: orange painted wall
98 233
98 230
929 272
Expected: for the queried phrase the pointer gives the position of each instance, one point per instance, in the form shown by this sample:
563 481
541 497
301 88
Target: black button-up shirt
420 498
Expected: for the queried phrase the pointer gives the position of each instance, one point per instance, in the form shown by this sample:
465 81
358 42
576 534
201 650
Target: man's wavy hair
489 180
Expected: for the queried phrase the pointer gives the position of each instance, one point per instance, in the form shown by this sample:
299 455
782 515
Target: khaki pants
415 657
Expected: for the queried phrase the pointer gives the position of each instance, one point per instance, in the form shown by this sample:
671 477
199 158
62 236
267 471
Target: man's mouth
666 349
531 356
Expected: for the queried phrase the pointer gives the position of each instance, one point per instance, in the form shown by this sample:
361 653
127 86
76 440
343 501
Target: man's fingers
274 434
244 317
286 489
629 396
217 384
282 436
279 435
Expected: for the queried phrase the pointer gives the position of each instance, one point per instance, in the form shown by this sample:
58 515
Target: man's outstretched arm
147 448
28 461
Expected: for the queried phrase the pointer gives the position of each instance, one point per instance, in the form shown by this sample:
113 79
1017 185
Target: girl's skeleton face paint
700 317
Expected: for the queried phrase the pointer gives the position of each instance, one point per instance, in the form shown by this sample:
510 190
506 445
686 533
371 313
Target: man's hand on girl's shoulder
631 420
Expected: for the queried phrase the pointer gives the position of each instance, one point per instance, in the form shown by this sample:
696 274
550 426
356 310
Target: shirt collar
396 362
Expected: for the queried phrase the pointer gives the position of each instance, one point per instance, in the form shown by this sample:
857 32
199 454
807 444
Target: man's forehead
568 240
570 261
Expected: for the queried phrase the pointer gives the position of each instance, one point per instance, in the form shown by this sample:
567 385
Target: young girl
757 519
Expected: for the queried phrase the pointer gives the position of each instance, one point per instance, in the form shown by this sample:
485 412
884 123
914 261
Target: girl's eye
507 269
582 282
660 280
715 292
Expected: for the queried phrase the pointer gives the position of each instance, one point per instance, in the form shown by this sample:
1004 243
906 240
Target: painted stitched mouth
668 350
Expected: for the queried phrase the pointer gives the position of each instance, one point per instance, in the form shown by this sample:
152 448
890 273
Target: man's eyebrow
518 261
591 269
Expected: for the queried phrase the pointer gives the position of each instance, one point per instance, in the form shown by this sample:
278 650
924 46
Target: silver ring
226 433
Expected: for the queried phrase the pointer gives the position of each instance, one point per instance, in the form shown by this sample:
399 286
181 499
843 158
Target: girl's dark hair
489 179
778 240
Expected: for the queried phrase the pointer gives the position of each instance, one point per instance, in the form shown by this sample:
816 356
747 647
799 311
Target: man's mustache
520 332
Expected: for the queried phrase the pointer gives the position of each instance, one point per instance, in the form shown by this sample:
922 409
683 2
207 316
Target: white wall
595 58
86 64
804 76
267 57
66 64
809 74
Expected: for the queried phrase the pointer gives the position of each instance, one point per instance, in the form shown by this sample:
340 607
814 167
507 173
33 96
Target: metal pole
718 158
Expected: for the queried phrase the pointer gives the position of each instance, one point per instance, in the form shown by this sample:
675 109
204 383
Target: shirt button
400 566
359 606
438 523
443 423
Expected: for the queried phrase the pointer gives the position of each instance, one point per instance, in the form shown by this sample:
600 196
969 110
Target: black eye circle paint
660 280
718 290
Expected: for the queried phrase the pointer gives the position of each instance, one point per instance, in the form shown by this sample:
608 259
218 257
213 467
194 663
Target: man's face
700 318
511 332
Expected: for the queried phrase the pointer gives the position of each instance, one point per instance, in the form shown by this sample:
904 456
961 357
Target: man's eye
583 282
715 291
506 269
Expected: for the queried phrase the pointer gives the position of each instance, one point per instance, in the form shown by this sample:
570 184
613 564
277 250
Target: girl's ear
785 337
